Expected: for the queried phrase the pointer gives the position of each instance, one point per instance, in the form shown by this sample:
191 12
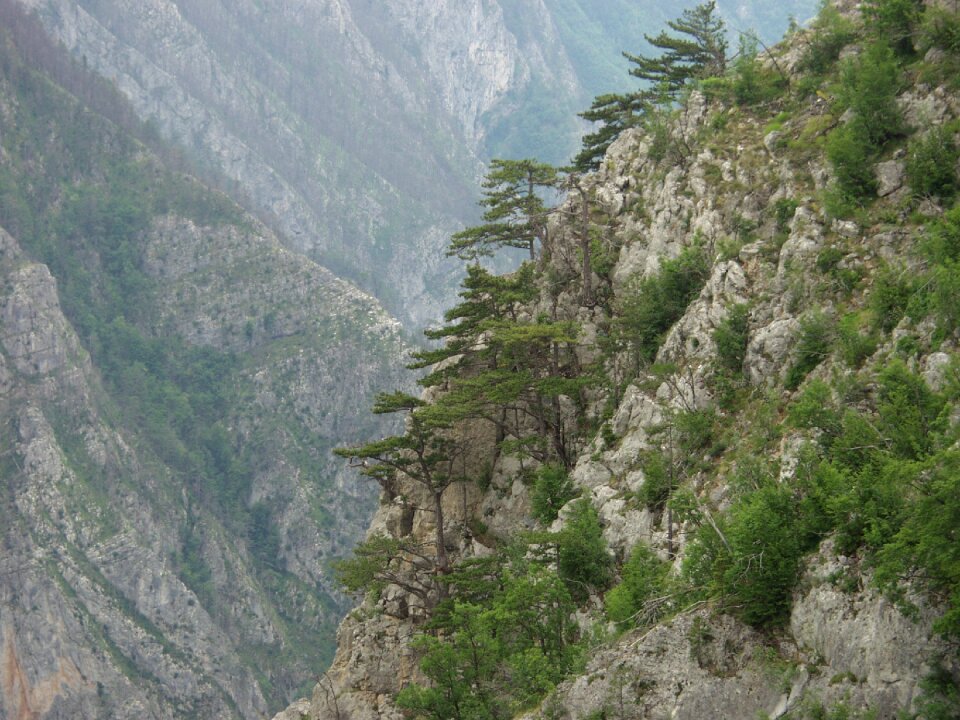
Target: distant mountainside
171 382
357 129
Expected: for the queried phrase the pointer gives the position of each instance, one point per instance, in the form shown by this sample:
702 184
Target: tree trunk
587 270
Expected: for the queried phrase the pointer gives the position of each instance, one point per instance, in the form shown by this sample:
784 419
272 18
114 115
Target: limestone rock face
753 211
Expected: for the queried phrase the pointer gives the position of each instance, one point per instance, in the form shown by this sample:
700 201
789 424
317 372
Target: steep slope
171 379
770 458
357 129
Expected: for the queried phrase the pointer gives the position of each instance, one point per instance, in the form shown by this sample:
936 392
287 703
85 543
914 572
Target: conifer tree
617 112
516 214
425 453
699 51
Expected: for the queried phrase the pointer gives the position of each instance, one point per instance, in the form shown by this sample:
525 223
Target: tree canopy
516 214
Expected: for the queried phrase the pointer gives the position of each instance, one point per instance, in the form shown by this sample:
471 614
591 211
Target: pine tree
425 453
617 113
516 214
700 51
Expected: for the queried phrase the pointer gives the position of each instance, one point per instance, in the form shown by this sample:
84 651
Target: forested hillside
171 383
699 456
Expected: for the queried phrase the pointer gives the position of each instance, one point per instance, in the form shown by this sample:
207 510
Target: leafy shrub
813 345
943 241
583 560
644 578
783 211
850 155
831 32
753 84
731 338
894 21
652 305
552 489
889 298
658 481
941 29
931 163
869 86
946 297
766 545
854 345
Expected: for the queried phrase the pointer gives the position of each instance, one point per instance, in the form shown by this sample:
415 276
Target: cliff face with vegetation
719 479
171 381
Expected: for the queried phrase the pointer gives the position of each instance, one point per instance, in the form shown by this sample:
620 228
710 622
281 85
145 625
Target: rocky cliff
813 305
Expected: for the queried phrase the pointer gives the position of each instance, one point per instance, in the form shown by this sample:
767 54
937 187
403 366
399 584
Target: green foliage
887 481
883 482
869 86
940 699
583 561
639 595
699 51
830 33
683 436
940 28
515 215
552 489
813 345
731 338
849 152
889 298
502 644
943 241
752 84
658 481
894 21
783 211
931 163
263 536
854 344
617 112
766 542
649 307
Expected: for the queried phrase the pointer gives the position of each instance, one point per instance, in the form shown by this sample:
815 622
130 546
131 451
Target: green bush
644 578
830 33
850 156
869 85
731 338
753 84
894 21
783 211
766 546
583 561
552 489
854 345
943 241
889 298
941 29
650 306
931 164
813 345
658 481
